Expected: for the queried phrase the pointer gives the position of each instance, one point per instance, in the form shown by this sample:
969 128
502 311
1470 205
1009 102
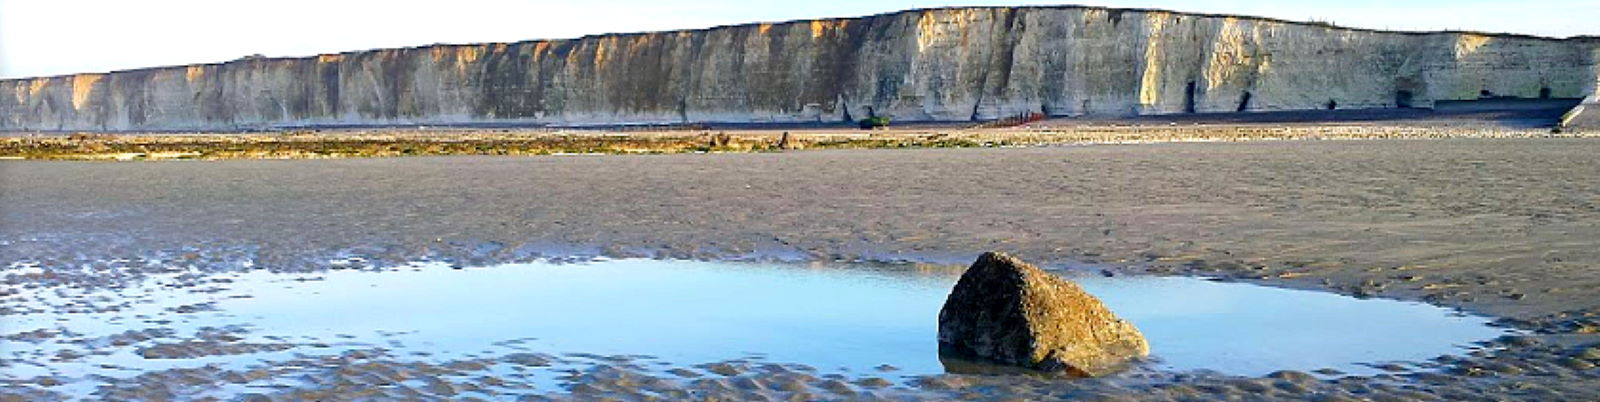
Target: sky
56 37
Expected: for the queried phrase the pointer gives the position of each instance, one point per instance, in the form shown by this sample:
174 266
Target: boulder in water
1006 311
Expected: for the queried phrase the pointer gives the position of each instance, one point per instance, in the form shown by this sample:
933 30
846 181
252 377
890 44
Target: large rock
1006 311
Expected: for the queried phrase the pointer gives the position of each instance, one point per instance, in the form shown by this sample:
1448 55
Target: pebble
1290 387
791 385
713 385
254 398
874 382
724 369
1592 354
941 383
1520 341
1576 364
1252 386
1407 395
1294 376
1181 391
1391 367
466 366
527 359
685 373
1471 371
585 389
801 397
838 387
749 384
1503 368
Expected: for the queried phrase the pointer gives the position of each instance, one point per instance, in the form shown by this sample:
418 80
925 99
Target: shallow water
679 313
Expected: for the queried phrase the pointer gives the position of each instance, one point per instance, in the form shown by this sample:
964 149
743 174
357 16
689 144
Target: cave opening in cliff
1244 102
1188 98
1544 93
1333 104
1403 99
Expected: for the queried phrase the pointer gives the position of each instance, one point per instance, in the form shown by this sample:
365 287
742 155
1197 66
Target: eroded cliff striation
944 64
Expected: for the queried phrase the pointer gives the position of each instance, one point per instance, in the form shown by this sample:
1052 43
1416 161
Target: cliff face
946 64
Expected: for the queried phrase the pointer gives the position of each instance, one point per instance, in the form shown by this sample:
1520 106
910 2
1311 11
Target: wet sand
1509 228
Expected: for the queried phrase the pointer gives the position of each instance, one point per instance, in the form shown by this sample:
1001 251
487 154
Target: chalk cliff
943 64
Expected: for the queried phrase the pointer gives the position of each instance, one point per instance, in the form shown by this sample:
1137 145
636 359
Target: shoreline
399 142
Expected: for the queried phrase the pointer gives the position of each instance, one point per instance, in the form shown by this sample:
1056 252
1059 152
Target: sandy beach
1503 227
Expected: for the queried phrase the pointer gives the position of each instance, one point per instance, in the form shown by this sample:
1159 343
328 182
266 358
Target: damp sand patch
677 319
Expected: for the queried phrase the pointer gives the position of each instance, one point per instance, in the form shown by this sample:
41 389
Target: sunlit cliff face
948 64
82 88
194 73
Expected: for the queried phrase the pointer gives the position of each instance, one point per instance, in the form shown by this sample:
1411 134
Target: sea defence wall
1585 117
954 64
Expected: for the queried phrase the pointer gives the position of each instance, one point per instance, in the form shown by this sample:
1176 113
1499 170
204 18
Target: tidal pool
680 313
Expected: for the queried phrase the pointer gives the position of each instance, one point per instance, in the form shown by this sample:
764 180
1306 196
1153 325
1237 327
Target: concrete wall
1586 116
1583 118
946 64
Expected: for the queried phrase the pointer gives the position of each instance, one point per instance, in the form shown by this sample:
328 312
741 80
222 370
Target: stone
1006 311
1576 364
254 397
1592 353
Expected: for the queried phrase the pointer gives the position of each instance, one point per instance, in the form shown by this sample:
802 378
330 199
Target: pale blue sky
52 37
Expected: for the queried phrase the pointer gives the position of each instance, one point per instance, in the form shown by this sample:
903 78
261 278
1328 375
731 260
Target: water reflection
851 319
